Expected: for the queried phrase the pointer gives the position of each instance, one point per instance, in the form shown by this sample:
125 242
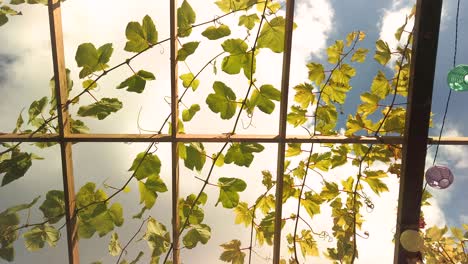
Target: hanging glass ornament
439 177
411 240
457 78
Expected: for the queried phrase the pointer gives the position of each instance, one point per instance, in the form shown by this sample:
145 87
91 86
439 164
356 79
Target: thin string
450 90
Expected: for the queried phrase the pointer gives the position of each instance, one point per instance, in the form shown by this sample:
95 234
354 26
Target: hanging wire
450 90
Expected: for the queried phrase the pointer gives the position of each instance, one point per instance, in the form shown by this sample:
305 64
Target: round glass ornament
439 177
411 240
457 78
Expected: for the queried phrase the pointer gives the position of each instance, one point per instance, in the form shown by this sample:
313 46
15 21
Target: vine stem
298 211
205 184
131 239
359 176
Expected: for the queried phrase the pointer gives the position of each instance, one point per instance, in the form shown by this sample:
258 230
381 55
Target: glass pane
143 107
107 170
25 68
231 193
32 179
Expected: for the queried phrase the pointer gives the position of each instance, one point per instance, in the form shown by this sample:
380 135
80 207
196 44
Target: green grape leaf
297 116
36 108
36 238
228 191
326 118
157 237
311 203
3 21
213 32
229 5
382 53
198 233
15 167
103 223
187 114
185 19
241 153
267 179
370 104
307 244
243 214
53 206
435 234
335 51
7 253
329 191
141 36
145 165
155 183
78 127
19 123
380 86
137 82
196 156
223 101
316 72
294 149
188 80
187 50
272 35
89 84
232 252
248 21
101 109
114 245
147 196
238 59
116 212
92 59
263 99
373 178
266 203
360 55
20 207
304 95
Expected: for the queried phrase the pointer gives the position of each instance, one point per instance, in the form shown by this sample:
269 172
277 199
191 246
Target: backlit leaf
248 21
197 234
223 101
137 82
101 109
145 165
187 114
213 32
228 191
185 19
187 50
382 53
232 252
241 153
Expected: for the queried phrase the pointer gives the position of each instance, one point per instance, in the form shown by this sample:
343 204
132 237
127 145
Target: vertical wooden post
174 130
61 95
282 129
426 34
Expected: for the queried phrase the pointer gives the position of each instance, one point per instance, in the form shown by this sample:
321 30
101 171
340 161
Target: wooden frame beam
61 96
219 138
174 131
426 33
282 129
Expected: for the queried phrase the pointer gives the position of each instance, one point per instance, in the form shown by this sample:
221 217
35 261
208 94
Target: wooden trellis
414 141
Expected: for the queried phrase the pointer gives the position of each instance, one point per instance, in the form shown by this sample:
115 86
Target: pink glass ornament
439 177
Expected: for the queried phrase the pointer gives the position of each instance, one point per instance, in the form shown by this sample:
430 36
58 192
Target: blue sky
26 67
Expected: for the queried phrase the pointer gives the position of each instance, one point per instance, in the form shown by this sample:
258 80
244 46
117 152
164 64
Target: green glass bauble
457 78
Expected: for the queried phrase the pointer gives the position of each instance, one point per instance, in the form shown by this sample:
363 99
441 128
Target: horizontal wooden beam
218 138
